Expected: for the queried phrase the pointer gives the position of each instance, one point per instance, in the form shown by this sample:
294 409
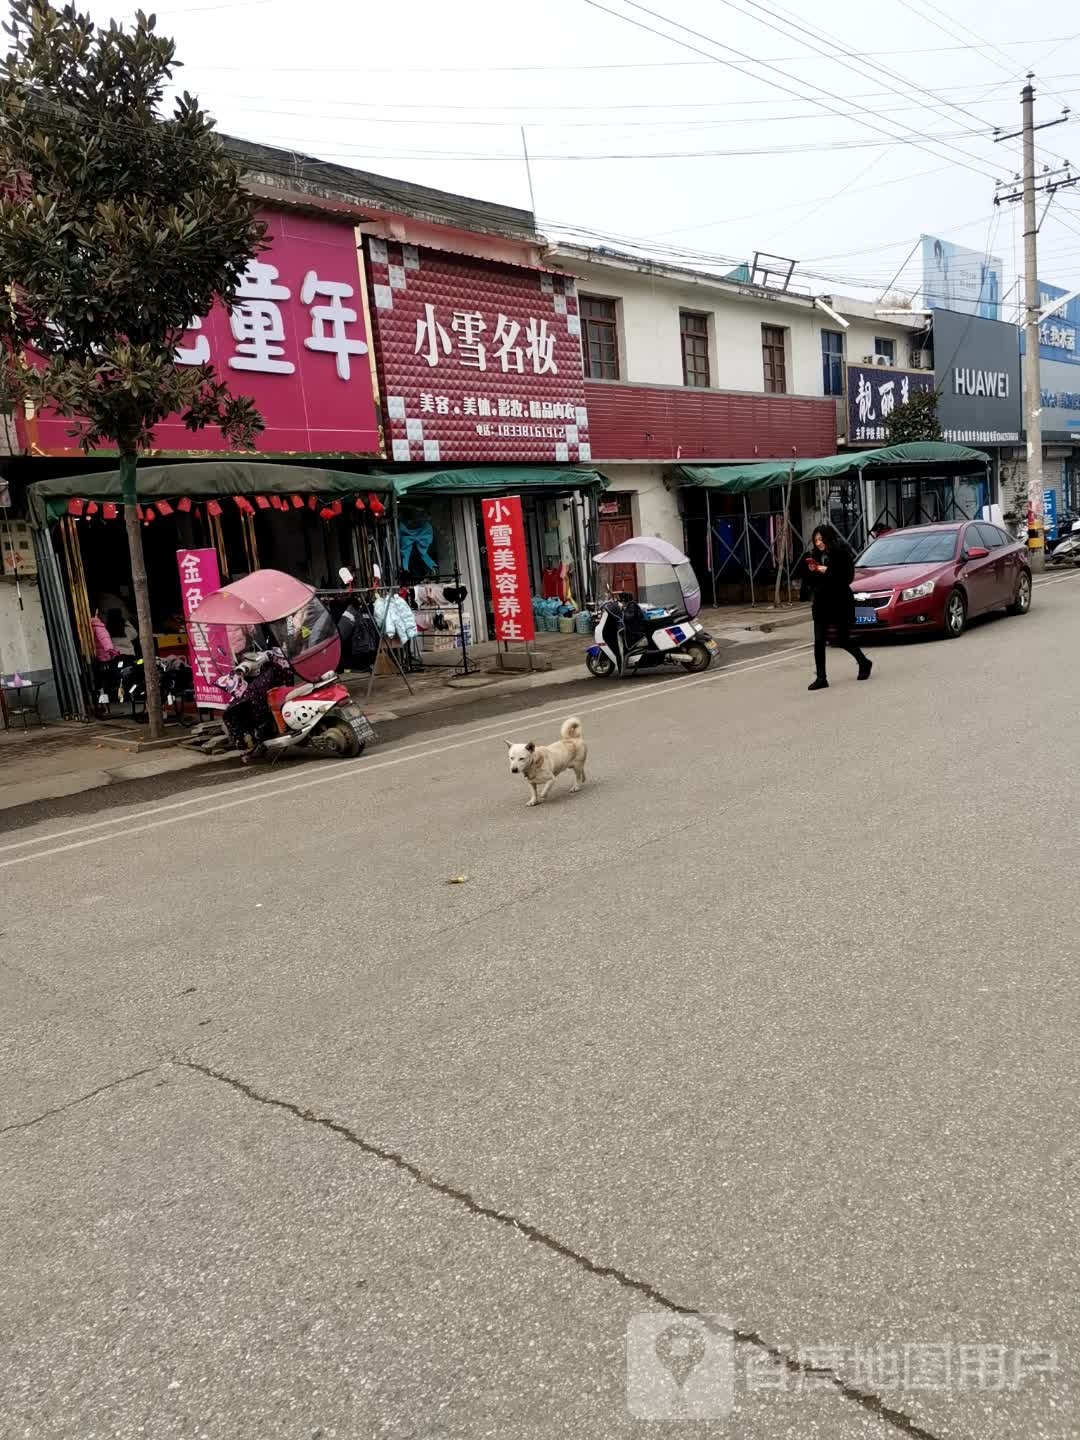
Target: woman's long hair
834 541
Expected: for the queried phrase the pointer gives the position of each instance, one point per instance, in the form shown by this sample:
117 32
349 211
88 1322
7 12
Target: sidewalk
67 757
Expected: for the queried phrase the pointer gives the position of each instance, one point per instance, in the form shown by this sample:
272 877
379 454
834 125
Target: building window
599 339
886 348
694 330
832 361
774 363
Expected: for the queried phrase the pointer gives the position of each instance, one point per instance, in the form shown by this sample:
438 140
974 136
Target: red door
613 531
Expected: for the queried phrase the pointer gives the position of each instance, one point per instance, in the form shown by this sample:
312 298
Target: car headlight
916 592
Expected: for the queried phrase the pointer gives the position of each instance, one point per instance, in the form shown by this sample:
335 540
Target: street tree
916 420
122 218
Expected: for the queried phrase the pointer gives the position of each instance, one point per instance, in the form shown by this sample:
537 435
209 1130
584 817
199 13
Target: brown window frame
774 359
599 337
694 340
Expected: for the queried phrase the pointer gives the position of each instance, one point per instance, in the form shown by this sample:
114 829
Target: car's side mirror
976 552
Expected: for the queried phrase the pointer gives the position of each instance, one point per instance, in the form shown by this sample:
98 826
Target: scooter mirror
345 575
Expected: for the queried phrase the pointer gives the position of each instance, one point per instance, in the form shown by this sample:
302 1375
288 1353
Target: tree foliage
917 420
118 225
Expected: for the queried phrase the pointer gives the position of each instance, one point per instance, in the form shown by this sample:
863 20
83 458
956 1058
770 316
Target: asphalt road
774 1023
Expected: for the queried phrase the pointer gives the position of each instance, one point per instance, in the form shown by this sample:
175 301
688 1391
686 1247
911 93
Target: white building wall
650 350
24 645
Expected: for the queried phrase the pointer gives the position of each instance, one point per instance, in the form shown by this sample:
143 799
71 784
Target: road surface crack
898 1419
79 1100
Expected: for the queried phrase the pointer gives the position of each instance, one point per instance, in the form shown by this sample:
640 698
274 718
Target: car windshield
910 549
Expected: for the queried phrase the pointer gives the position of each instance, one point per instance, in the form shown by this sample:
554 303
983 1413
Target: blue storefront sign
873 393
1050 513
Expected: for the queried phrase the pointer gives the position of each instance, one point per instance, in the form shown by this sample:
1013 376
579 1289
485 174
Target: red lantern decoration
149 513
377 506
213 507
326 513
75 507
109 511
298 502
163 507
262 502
312 502
91 507
360 504
183 504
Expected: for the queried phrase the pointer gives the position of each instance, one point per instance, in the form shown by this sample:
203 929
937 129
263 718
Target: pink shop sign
297 341
207 644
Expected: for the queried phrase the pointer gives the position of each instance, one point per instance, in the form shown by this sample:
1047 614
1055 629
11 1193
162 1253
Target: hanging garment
395 619
417 536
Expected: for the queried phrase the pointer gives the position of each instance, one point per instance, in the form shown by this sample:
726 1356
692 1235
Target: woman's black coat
831 593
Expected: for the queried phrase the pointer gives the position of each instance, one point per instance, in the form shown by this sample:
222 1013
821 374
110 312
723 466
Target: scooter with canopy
658 626
286 673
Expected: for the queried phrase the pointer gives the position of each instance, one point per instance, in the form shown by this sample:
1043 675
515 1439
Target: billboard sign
1060 389
977 376
873 393
478 360
1059 333
968 282
296 341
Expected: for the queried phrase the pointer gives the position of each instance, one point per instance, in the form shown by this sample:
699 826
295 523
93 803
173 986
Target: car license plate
865 616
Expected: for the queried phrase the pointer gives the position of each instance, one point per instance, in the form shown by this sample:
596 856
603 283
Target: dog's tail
571 729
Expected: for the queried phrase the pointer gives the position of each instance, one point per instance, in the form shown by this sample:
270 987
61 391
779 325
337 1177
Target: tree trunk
142 594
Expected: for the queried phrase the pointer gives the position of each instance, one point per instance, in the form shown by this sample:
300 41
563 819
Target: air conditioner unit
922 360
882 360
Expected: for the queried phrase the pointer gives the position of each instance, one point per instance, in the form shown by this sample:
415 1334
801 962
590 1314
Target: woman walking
830 569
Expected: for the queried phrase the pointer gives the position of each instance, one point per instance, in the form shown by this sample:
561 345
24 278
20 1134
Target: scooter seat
299 692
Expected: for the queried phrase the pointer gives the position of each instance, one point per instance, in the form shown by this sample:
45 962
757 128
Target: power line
1058 40
911 136
517 111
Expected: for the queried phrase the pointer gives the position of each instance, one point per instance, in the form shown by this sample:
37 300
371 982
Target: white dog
541 763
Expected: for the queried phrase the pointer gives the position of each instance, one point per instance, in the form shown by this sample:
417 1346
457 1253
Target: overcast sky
437 92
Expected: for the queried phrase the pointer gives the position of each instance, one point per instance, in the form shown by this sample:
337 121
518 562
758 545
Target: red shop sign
508 568
296 341
478 360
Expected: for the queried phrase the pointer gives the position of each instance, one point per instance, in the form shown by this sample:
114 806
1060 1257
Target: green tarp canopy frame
202 479
918 458
496 480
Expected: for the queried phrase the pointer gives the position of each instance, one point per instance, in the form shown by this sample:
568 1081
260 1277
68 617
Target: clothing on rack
416 537
394 618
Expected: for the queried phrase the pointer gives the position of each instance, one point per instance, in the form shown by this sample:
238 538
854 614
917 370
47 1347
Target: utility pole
1054 180
1032 379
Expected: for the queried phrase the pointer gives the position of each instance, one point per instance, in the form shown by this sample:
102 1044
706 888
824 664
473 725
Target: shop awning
922 457
49 498
496 480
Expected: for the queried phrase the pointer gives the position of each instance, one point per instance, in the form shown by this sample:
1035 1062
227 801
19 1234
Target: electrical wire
911 136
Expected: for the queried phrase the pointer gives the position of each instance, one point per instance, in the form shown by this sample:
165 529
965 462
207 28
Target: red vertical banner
508 568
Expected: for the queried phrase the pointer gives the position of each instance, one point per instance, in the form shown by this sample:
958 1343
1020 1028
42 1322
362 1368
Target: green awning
922 457
496 480
201 478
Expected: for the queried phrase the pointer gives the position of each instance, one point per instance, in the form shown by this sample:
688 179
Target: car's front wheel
1022 601
955 615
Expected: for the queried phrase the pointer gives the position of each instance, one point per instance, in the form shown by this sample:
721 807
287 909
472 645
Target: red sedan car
936 577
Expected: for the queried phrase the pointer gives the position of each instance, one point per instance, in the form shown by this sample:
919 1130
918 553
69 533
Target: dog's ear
530 747
508 745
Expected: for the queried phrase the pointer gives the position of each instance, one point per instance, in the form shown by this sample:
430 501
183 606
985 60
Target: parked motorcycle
631 636
1067 551
309 709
